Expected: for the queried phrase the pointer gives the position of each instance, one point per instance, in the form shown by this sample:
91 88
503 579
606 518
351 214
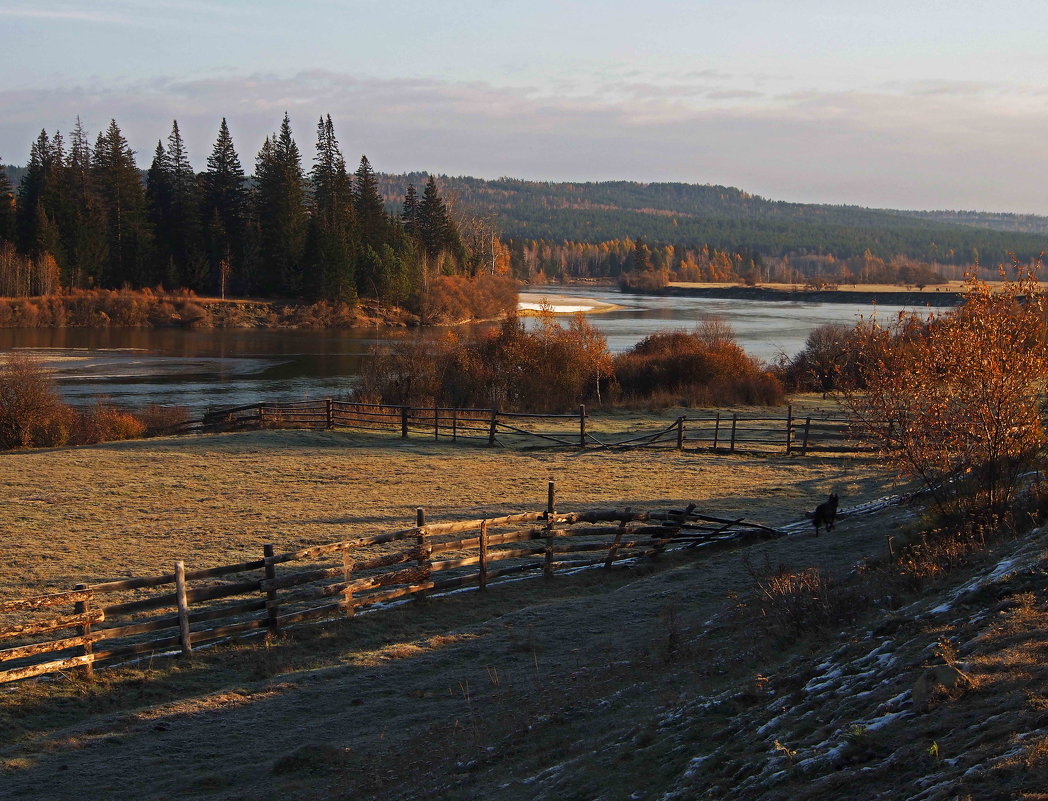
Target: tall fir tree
86 244
409 215
224 213
370 207
436 228
280 211
331 252
174 209
123 198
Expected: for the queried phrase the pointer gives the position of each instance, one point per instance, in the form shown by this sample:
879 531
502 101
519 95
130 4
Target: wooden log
273 610
493 428
84 608
807 430
52 624
44 601
171 599
680 433
172 621
523 432
191 575
46 667
319 574
186 640
404 422
22 651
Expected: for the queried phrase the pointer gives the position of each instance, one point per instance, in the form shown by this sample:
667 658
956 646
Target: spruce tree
436 228
333 234
370 207
224 212
86 246
123 199
409 214
280 212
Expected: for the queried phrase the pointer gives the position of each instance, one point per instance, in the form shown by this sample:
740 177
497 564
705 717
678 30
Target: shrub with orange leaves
957 399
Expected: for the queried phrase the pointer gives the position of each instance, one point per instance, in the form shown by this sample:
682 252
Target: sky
925 104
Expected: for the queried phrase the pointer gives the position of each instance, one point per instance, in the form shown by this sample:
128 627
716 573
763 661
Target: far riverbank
937 297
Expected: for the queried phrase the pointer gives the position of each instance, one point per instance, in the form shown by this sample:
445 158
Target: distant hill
724 217
730 218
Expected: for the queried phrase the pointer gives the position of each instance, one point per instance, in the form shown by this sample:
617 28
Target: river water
220 367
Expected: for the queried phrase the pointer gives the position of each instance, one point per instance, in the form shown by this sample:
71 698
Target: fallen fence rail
175 612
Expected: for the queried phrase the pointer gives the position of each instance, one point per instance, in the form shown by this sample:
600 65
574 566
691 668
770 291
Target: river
219 367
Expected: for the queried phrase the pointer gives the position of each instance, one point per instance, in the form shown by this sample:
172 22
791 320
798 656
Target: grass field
445 698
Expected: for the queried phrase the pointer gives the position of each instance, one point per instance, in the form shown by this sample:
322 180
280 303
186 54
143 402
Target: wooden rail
717 432
174 613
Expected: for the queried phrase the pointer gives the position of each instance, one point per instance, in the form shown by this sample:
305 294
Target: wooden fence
180 610
718 432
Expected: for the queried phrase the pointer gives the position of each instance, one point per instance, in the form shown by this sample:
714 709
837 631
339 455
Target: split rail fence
176 612
718 432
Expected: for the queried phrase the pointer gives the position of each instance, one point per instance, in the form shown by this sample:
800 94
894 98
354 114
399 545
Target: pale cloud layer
938 104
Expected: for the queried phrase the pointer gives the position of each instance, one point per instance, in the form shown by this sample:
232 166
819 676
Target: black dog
825 513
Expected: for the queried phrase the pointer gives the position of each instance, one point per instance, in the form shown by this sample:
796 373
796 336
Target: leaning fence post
582 425
84 608
272 610
551 508
483 555
804 444
491 430
404 422
734 422
185 636
680 433
789 428
425 550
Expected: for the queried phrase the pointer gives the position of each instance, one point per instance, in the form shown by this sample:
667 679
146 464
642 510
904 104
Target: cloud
883 147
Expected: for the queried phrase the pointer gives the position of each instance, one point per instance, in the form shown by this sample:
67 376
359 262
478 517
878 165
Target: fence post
551 508
807 428
328 413
734 422
272 610
680 433
404 422
83 608
185 637
261 416
436 422
491 430
454 424
483 554
425 550
347 593
789 428
716 431
582 425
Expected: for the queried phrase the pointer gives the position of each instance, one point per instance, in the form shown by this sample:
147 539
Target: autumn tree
956 399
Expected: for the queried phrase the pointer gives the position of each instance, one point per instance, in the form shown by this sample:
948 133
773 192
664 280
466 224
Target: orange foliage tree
957 399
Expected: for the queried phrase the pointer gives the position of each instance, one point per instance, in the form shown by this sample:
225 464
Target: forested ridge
726 218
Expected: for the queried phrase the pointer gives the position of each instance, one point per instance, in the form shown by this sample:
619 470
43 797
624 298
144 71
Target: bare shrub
831 360
105 423
807 600
957 400
704 367
31 412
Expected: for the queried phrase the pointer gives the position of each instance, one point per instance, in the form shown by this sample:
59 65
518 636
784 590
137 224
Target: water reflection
236 366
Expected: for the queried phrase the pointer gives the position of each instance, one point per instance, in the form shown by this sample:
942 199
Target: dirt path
362 711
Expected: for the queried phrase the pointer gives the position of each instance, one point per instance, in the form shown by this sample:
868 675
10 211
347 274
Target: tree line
85 216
